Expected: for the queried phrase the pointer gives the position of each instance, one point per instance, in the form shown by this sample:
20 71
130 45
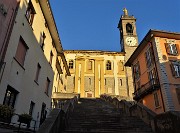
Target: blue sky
92 24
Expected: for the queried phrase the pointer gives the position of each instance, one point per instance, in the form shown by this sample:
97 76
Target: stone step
97 116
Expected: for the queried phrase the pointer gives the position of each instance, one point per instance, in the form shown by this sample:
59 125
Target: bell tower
128 35
128 42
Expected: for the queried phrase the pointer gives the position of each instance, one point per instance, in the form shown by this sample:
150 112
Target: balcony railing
147 88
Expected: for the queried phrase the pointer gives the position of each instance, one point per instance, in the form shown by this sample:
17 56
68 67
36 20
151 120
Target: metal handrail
146 86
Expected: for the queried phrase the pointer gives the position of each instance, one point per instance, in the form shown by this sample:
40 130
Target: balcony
146 89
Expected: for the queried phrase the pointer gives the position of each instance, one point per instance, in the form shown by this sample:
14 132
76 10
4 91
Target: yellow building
95 72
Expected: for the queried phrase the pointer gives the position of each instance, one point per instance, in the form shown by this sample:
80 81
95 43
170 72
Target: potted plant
25 118
6 113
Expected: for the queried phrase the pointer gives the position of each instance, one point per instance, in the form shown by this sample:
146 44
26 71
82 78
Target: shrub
6 111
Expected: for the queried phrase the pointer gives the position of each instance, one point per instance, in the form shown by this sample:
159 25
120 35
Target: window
120 81
152 76
89 81
129 29
105 81
47 86
30 12
37 72
43 113
175 67
108 65
71 64
10 96
171 49
89 65
21 52
178 94
57 76
51 58
42 39
121 66
149 57
55 90
156 100
31 108
136 71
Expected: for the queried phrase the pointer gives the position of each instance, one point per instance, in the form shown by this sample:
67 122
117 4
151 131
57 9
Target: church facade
95 72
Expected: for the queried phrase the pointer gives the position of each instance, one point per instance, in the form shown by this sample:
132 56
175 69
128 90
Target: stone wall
122 86
109 85
70 84
89 83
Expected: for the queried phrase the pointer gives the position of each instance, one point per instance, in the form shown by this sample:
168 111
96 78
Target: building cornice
47 12
99 52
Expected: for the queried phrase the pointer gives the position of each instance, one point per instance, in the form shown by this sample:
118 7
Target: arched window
108 65
71 63
129 29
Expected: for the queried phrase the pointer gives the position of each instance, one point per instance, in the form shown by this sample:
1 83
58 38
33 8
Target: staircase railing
168 122
133 109
57 121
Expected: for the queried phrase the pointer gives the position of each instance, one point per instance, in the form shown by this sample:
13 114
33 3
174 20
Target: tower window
129 29
108 65
71 64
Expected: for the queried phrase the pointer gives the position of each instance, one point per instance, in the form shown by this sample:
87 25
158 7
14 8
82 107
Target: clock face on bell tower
128 35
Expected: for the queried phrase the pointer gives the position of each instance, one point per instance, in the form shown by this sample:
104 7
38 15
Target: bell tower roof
125 16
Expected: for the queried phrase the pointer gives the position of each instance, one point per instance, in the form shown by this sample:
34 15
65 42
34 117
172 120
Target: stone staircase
97 116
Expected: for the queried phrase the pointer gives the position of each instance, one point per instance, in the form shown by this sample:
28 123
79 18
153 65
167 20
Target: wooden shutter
172 69
178 94
21 52
177 49
167 48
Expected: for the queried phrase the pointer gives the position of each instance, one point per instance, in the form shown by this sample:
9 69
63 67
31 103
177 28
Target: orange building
156 71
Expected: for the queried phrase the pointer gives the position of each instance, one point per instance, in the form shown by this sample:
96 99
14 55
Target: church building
95 72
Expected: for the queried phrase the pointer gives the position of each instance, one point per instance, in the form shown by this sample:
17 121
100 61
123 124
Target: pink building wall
7 19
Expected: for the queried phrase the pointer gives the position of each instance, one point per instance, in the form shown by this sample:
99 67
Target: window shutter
146 59
177 49
167 48
172 69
